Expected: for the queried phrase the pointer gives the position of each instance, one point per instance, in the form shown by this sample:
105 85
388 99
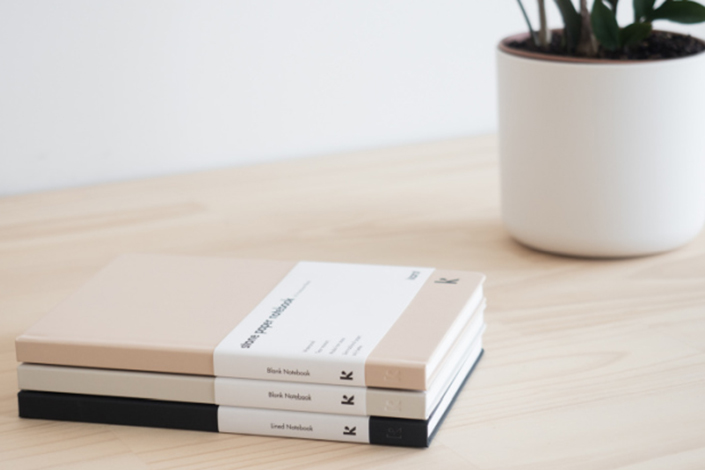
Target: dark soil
659 45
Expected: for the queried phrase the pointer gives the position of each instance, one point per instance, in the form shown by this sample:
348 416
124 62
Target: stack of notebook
345 352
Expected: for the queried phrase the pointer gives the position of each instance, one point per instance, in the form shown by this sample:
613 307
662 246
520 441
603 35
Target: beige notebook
328 323
265 394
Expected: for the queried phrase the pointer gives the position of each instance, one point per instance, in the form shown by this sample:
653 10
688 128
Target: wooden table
589 364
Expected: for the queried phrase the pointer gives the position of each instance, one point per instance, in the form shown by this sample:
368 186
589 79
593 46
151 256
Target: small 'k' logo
350 431
346 375
348 401
446 281
394 433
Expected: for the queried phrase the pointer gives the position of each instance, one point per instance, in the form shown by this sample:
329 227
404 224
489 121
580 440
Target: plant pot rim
504 47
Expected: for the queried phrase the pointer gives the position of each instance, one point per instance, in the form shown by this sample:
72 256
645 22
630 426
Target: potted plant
602 130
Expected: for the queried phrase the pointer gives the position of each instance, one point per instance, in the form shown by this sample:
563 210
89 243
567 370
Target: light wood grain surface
589 364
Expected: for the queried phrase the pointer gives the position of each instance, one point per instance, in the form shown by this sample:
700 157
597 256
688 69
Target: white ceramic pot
602 159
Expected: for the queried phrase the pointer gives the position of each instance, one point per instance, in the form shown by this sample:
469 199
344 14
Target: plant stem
544 32
587 46
534 36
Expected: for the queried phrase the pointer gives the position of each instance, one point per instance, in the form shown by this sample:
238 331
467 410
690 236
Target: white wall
96 90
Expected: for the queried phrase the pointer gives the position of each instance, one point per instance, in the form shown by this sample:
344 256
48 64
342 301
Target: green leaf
604 26
634 34
613 4
643 9
683 11
571 22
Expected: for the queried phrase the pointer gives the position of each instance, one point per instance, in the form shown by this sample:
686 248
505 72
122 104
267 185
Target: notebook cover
169 314
259 393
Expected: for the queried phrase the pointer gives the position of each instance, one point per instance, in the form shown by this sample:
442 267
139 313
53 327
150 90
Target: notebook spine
112 410
316 398
214 418
399 432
